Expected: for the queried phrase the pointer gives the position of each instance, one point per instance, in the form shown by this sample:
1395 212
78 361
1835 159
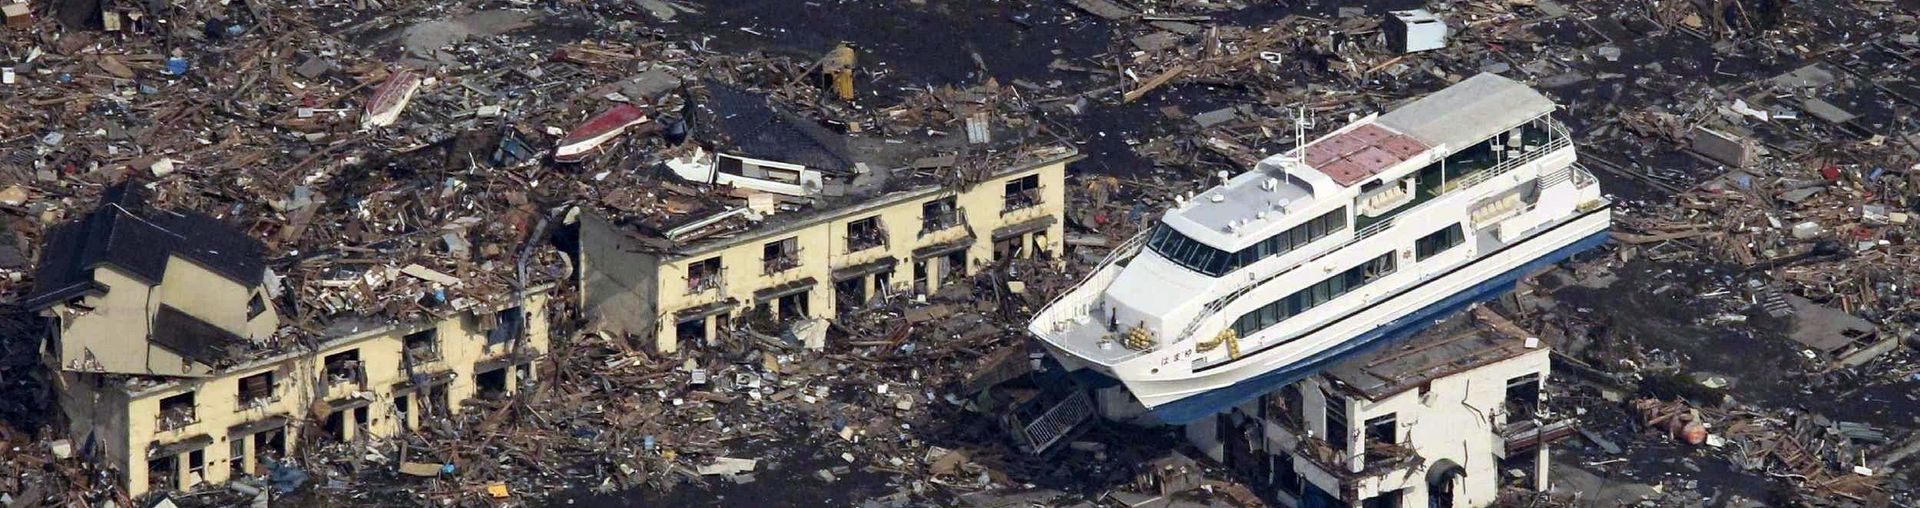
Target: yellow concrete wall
823 247
207 295
116 330
112 337
300 381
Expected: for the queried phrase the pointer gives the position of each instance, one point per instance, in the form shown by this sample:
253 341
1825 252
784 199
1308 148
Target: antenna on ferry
1301 122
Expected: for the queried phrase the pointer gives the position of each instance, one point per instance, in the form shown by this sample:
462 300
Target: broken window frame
510 324
939 214
344 367
163 482
250 394
430 336
705 275
175 414
197 465
256 306
1335 421
1517 409
780 255
1021 193
1287 408
865 234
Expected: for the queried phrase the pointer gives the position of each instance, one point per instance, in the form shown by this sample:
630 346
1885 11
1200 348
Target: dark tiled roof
192 338
745 123
124 232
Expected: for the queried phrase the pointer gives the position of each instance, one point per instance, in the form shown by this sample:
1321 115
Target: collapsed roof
123 232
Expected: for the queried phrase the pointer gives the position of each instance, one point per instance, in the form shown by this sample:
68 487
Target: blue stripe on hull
1215 401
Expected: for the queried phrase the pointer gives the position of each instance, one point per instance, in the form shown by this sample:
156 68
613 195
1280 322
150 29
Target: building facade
1434 422
820 263
171 366
175 434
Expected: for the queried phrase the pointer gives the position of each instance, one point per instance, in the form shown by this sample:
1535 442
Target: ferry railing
1051 314
1560 139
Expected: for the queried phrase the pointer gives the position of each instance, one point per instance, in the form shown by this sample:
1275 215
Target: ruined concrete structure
912 234
1434 421
173 361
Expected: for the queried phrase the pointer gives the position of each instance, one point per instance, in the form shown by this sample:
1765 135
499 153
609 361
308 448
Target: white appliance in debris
1416 30
1356 238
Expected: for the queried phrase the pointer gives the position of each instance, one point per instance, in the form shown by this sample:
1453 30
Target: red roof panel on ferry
1401 146
1318 154
1344 171
1361 152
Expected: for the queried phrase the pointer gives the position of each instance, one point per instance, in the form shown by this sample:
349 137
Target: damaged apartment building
182 359
828 226
1442 419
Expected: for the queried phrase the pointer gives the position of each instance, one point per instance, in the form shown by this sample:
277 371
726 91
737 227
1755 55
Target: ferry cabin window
1205 259
1322 292
1438 242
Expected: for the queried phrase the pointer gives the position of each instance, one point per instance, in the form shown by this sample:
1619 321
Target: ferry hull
1210 391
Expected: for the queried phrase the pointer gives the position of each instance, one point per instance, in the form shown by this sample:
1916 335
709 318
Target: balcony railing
702 283
345 375
1376 459
857 242
940 222
176 418
1021 200
780 263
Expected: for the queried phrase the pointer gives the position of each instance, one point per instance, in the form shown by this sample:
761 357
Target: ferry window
1322 292
1438 242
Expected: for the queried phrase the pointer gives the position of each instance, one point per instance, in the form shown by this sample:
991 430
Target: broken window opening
361 422
865 234
1288 407
437 404
492 384
163 473
850 294
403 409
510 323
883 283
423 345
269 445
1022 193
793 306
779 256
953 267
237 460
335 427
1284 475
1009 248
938 215
1336 422
692 330
256 306
1523 397
704 275
257 390
344 367
177 411
920 275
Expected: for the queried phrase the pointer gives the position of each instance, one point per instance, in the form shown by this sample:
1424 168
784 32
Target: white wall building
1433 421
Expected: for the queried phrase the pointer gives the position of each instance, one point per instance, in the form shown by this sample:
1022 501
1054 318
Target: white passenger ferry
1359 237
